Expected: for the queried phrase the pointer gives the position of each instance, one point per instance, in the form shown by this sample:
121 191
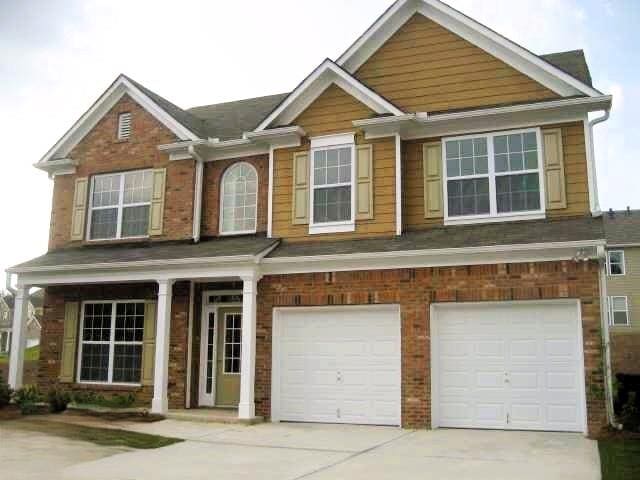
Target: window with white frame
232 342
5 341
332 190
619 311
111 337
493 175
119 205
124 126
239 198
615 262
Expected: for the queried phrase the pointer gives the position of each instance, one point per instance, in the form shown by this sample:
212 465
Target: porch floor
211 415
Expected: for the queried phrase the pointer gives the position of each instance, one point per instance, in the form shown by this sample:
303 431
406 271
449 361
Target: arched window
239 199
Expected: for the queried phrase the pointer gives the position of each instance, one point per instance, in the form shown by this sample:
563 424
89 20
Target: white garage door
337 365
508 366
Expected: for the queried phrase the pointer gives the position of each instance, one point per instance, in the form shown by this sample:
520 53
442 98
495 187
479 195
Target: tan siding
628 285
575 163
425 67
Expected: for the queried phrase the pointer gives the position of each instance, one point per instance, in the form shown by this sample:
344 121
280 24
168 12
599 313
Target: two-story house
410 237
622 229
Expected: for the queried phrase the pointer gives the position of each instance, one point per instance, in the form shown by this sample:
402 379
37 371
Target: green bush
5 393
630 414
114 401
27 399
58 400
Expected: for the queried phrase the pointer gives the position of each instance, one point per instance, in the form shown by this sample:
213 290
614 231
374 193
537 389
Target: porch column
247 407
19 337
160 403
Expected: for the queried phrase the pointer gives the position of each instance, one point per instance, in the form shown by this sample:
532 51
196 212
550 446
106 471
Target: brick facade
101 152
625 353
414 290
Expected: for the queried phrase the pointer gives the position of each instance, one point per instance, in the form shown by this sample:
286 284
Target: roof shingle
622 227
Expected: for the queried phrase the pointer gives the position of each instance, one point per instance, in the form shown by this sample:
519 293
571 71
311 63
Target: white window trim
111 344
221 204
331 142
120 206
623 264
493 215
612 311
225 343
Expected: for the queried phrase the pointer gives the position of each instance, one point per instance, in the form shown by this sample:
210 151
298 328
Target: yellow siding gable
425 67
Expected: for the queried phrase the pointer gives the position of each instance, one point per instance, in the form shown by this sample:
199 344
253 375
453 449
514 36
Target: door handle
339 377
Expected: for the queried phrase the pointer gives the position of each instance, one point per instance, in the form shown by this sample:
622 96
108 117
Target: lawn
30 354
619 458
100 436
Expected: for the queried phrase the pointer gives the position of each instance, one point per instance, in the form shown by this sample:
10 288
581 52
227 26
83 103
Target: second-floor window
493 176
239 199
120 205
619 311
615 262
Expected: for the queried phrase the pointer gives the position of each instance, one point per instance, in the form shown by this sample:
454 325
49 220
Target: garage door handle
339 377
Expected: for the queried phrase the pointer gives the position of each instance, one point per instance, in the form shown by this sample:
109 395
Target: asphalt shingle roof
622 227
572 62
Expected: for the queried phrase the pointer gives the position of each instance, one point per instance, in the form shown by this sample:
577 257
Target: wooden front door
228 358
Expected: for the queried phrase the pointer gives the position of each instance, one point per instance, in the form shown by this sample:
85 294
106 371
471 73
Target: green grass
30 354
99 436
620 459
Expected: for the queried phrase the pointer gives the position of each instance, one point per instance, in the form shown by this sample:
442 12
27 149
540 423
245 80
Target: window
615 262
332 192
493 176
5 341
232 342
239 199
619 314
120 205
124 126
111 342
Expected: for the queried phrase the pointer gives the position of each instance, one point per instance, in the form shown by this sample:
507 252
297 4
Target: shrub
630 413
114 401
58 400
27 399
5 393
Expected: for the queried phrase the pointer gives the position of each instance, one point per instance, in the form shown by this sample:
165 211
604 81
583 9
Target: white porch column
19 337
160 403
247 407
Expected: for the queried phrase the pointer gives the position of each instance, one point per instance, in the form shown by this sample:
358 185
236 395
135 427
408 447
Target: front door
228 358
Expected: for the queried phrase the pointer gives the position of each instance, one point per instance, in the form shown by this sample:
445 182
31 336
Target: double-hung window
111 336
332 190
615 262
120 204
619 311
493 176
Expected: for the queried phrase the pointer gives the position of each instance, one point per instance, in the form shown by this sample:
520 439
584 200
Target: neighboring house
410 237
622 229
35 310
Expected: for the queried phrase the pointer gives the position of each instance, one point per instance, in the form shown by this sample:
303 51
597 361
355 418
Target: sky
58 56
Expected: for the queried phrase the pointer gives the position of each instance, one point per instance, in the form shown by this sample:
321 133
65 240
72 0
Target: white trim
433 339
225 343
624 266
270 194
491 175
190 343
325 141
107 100
323 76
221 200
398 186
470 30
612 311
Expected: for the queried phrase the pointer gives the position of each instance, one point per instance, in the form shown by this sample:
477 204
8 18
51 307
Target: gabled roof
622 227
310 88
183 124
572 63
502 48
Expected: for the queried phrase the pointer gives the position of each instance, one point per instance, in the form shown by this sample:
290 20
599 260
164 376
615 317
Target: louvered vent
124 126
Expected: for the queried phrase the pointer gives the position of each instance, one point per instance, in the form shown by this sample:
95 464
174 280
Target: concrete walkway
318 452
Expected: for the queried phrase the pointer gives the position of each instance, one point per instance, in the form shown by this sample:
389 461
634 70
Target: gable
332 112
424 67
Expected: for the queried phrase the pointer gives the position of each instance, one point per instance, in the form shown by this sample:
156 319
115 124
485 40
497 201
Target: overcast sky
57 57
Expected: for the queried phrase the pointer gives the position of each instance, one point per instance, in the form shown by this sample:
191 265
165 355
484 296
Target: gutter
8 286
591 164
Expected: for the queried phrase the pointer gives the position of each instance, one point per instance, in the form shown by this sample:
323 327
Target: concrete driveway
318 452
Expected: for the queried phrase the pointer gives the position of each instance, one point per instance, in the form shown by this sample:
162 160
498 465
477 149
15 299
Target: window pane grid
332 179
616 263
232 342
239 199
619 311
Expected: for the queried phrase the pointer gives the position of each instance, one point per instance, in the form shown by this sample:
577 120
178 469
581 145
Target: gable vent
124 126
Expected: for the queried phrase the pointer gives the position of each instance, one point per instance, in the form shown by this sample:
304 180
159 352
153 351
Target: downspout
8 286
591 164
197 194
606 343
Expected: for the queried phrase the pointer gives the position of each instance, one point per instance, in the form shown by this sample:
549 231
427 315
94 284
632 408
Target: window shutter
148 344
432 172
79 211
69 341
555 184
156 212
364 174
300 188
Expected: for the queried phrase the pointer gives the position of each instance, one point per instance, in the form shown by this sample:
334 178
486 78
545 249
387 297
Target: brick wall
53 329
625 353
101 152
213 172
414 289
30 372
